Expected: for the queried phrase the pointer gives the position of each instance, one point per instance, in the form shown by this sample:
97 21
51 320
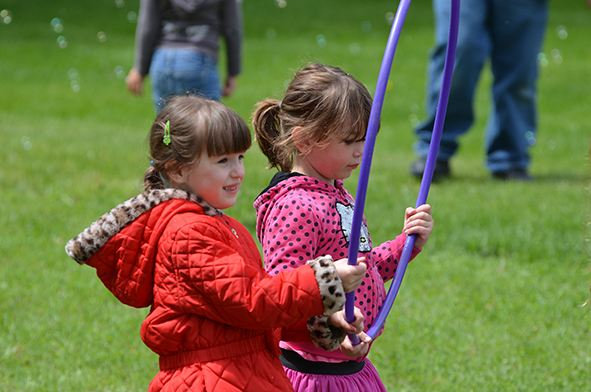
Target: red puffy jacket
216 315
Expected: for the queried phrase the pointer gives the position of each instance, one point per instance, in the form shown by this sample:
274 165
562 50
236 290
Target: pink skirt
366 380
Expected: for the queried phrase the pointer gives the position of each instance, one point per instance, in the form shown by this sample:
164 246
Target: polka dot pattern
298 220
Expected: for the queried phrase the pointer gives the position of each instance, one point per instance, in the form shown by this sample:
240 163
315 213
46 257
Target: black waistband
294 361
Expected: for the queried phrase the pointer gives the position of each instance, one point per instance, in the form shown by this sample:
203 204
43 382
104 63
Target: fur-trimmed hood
122 243
87 243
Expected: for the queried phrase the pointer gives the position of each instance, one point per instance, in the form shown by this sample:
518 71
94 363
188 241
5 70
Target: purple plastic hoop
372 128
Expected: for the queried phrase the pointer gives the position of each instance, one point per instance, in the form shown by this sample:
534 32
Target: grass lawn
494 303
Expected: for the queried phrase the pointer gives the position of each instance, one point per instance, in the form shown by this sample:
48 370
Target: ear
177 174
300 142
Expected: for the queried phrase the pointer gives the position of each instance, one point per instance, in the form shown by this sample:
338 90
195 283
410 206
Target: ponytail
266 123
153 179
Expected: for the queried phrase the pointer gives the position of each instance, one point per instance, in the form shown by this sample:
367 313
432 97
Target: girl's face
336 161
216 179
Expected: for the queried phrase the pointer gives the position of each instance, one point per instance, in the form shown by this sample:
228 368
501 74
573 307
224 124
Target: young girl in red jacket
315 137
216 316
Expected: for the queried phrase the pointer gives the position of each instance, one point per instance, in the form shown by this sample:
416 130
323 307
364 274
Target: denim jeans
509 33
182 71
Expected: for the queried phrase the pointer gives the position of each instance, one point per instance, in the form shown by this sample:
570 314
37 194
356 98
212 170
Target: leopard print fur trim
329 283
323 335
87 243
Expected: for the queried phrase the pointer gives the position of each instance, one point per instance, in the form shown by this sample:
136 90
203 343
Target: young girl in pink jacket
216 316
315 137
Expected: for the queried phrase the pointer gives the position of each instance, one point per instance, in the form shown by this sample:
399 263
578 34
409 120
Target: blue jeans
182 71
509 33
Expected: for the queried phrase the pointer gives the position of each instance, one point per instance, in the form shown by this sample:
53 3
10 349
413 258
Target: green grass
492 304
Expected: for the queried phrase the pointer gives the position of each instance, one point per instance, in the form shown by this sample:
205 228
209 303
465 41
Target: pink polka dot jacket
300 218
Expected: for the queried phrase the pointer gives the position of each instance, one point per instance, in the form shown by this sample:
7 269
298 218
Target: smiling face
216 179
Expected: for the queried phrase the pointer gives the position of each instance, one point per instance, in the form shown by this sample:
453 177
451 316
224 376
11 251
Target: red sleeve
218 282
297 332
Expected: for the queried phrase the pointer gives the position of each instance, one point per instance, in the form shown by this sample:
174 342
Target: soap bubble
556 56
75 86
561 31
542 59
271 33
102 37
61 41
530 137
56 23
281 3
390 17
5 17
120 3
321 40
131 16
120 72
27 145
365 26
354 48
73 73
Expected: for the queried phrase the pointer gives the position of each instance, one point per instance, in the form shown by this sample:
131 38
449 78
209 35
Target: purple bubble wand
374 120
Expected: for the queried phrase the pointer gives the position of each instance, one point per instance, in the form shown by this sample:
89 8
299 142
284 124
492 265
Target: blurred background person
509 33
177 44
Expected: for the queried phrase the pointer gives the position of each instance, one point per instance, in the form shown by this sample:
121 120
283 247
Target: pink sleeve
387 255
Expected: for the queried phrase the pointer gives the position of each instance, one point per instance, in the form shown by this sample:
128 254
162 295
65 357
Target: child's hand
356 327
338 320
351 275
420 222
360 350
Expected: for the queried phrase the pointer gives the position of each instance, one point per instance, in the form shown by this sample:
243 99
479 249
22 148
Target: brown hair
197 124
326 102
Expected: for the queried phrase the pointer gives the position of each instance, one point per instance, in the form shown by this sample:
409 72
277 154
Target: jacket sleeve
217 282
146 35
232 31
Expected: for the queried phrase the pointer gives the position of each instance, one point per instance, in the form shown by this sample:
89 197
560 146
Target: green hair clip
166 140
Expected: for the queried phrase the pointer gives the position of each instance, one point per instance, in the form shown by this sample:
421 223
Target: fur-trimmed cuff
323 335
329 283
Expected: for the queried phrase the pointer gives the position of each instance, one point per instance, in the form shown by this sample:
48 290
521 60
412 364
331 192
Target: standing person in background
509 33
177 43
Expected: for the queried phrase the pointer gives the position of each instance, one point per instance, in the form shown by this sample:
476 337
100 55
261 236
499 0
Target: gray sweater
189 24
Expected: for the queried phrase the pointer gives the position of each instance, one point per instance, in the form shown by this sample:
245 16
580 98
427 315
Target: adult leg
517 29
474 45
